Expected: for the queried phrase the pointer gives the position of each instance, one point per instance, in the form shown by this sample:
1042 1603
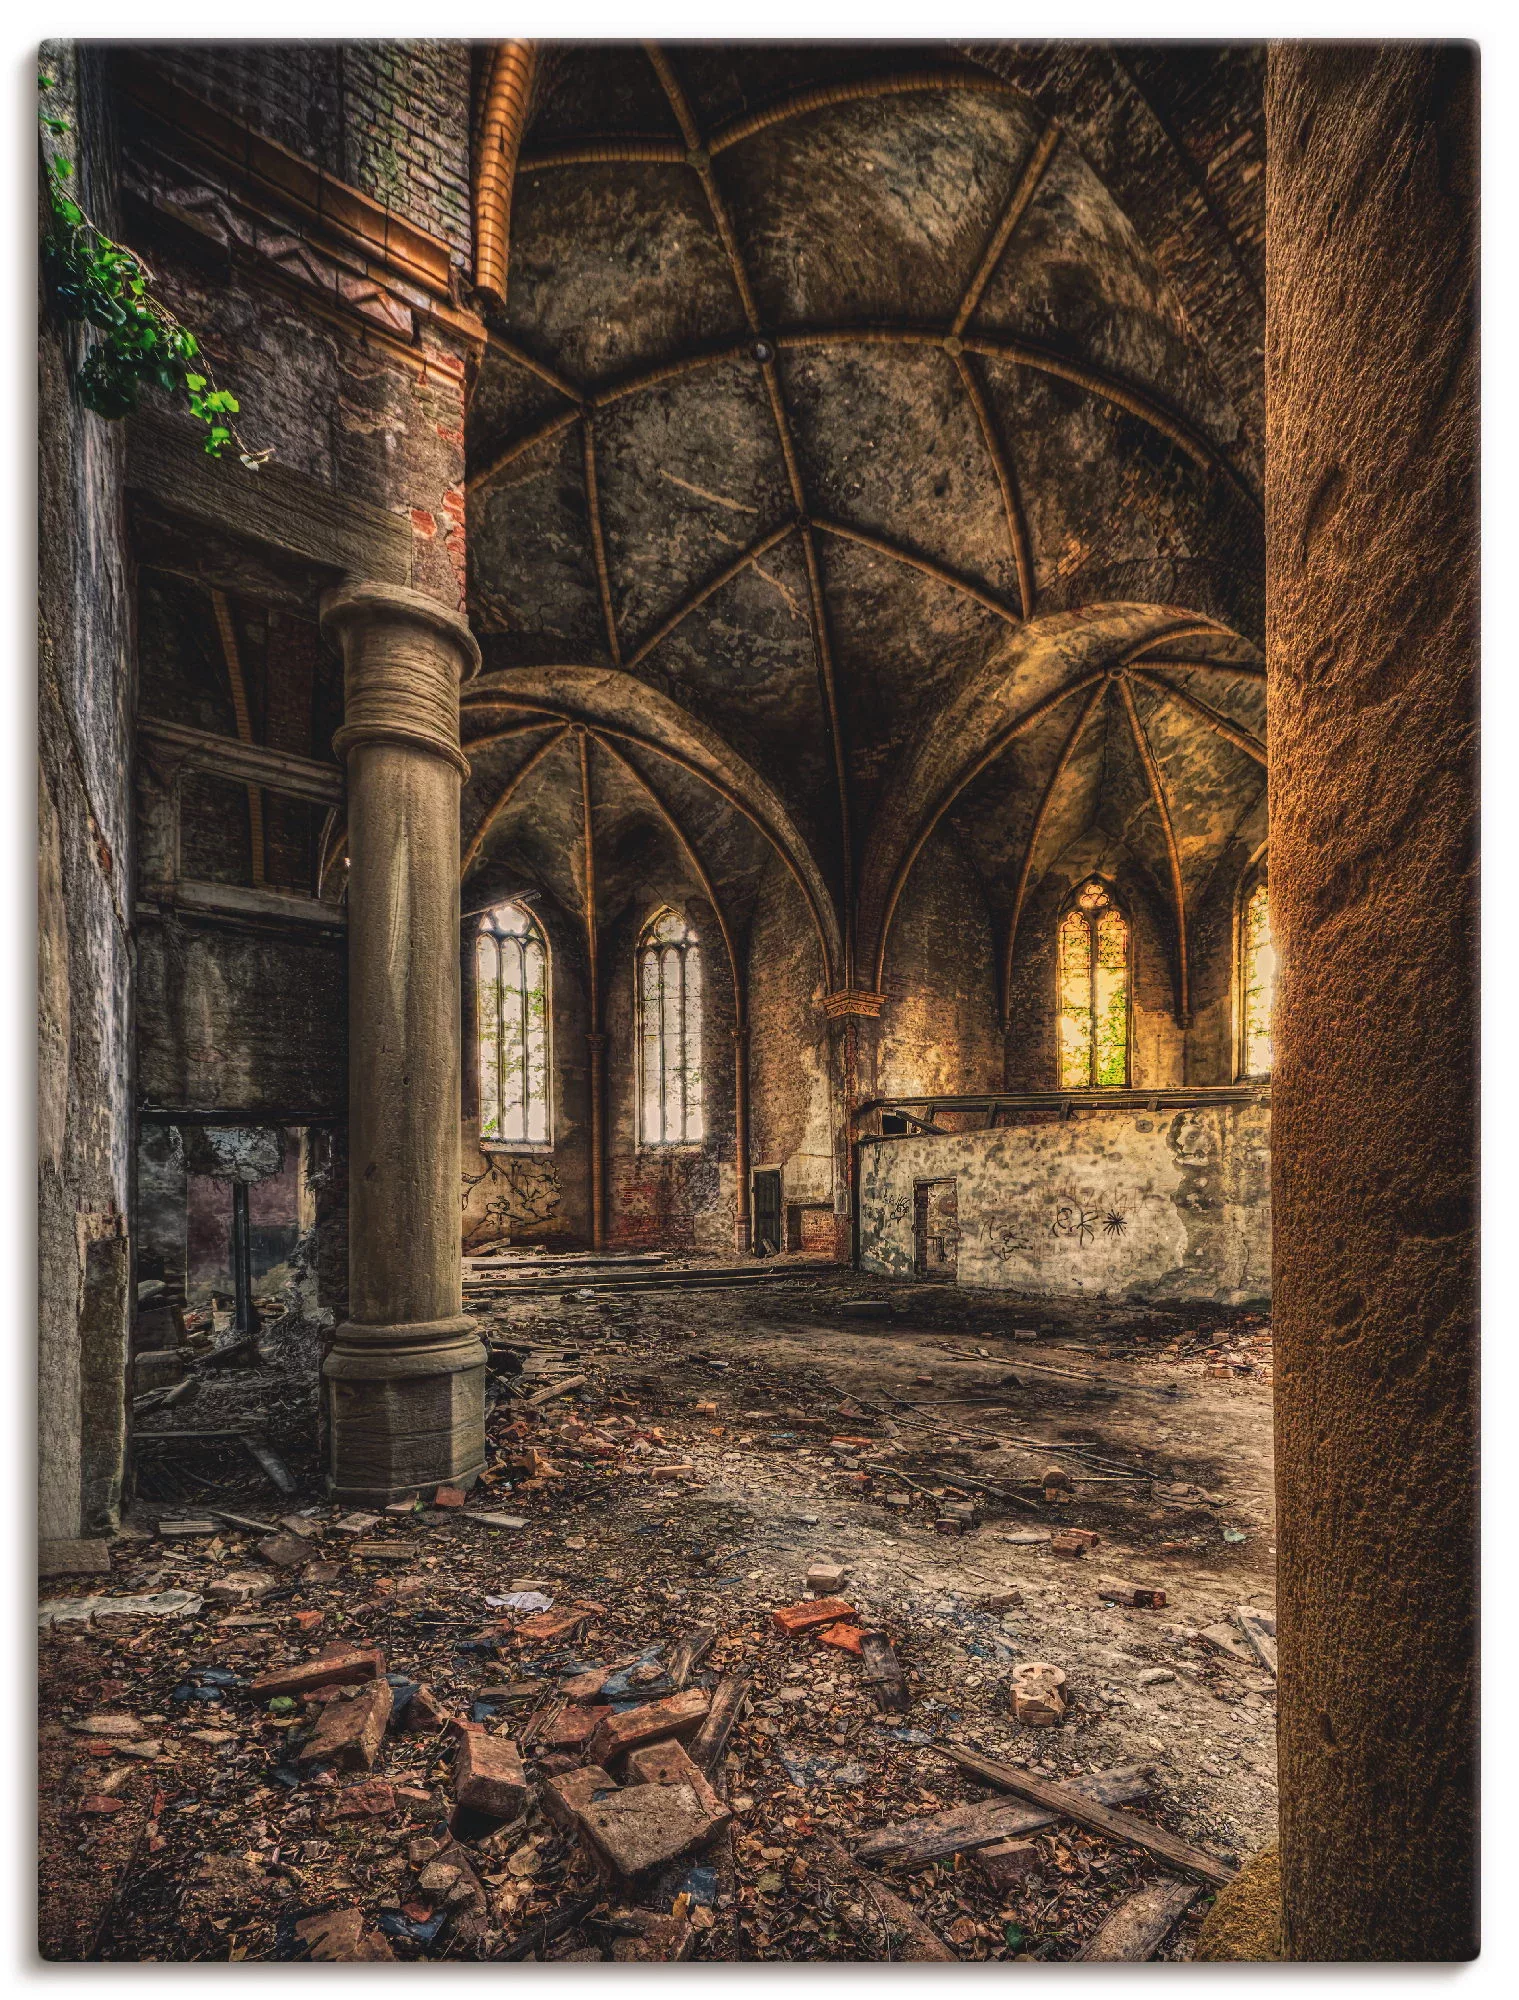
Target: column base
406 1409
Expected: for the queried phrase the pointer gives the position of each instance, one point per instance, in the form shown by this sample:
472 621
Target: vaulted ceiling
850 462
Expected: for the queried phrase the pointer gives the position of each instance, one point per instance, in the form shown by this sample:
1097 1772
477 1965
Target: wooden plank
884 1672
689 1654
920 1945
1067 1803
711 1739
245 763
959 1829
274 507
1137 1928
227 899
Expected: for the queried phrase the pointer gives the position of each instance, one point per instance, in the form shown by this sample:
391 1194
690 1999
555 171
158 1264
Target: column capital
404 655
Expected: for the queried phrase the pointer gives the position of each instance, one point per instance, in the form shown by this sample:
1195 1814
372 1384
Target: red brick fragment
667 1764
573 1727
373 1800
677 1715
340 1666
100 1804
448 1496
350 1730
846 1637
813 1611
488 1775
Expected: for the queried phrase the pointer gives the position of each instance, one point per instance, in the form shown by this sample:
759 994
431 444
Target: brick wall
390 118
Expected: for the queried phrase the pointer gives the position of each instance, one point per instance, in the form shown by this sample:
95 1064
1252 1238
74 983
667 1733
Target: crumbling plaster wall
84 1065
1108 1203
791 1093
939 1026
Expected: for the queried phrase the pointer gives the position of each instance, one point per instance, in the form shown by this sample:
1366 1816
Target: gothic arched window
1257 979
669 1033
1094 991
512 998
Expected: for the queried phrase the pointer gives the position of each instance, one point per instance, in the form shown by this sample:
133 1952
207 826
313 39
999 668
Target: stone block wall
1121 1203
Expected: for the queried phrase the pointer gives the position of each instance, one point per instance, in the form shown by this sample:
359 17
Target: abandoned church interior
757 925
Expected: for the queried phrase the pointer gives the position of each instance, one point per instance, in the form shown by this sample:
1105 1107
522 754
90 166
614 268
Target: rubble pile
584 1712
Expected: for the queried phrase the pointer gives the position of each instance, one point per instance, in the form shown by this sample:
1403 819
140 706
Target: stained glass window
669 1029
512 993
1094 992
1258 971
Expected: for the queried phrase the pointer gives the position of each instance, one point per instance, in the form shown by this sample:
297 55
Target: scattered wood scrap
884 1672
1067 1803
908 1937
710 1741
689 1654
1138 1927
914 1843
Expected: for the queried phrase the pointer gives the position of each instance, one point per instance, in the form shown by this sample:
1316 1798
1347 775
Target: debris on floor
742 1710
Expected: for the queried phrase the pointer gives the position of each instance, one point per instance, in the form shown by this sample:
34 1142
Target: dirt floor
720 1444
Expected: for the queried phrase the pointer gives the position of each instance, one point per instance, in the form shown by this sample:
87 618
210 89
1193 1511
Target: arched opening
670 1094
1094 991
512 1027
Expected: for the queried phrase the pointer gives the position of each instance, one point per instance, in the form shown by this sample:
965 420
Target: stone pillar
1371 645
406 1374
596 1083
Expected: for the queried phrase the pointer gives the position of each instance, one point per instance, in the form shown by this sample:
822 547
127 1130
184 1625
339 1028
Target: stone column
1371 646
406 1374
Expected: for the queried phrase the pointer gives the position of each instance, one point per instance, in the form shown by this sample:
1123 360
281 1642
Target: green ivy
101 284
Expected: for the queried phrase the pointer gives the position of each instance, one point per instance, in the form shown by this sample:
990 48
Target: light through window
1094 992
511 985
1258 981
669 1022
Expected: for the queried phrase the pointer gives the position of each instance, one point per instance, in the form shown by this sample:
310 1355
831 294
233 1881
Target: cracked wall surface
1138 1204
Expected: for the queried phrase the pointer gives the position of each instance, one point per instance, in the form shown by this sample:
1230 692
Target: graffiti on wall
512 1188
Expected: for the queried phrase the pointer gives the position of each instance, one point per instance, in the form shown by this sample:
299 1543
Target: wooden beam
1108 1821
238 762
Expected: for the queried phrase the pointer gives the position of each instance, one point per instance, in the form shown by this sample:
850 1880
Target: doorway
936 1229
767 1211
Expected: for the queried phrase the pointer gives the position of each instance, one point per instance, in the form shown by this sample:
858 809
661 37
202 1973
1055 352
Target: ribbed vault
839 418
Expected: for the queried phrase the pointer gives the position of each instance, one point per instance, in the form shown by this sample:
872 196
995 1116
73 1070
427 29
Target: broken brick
677 1715
448 1496
342 1666
824 1579
793 1618
308 1621
1073 1542
338 1937
374 1800
1005 1863
551 1625
350 1730
645 1827
845 1637
566 1796
423 1714
488 1775
668 1764
573 1727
